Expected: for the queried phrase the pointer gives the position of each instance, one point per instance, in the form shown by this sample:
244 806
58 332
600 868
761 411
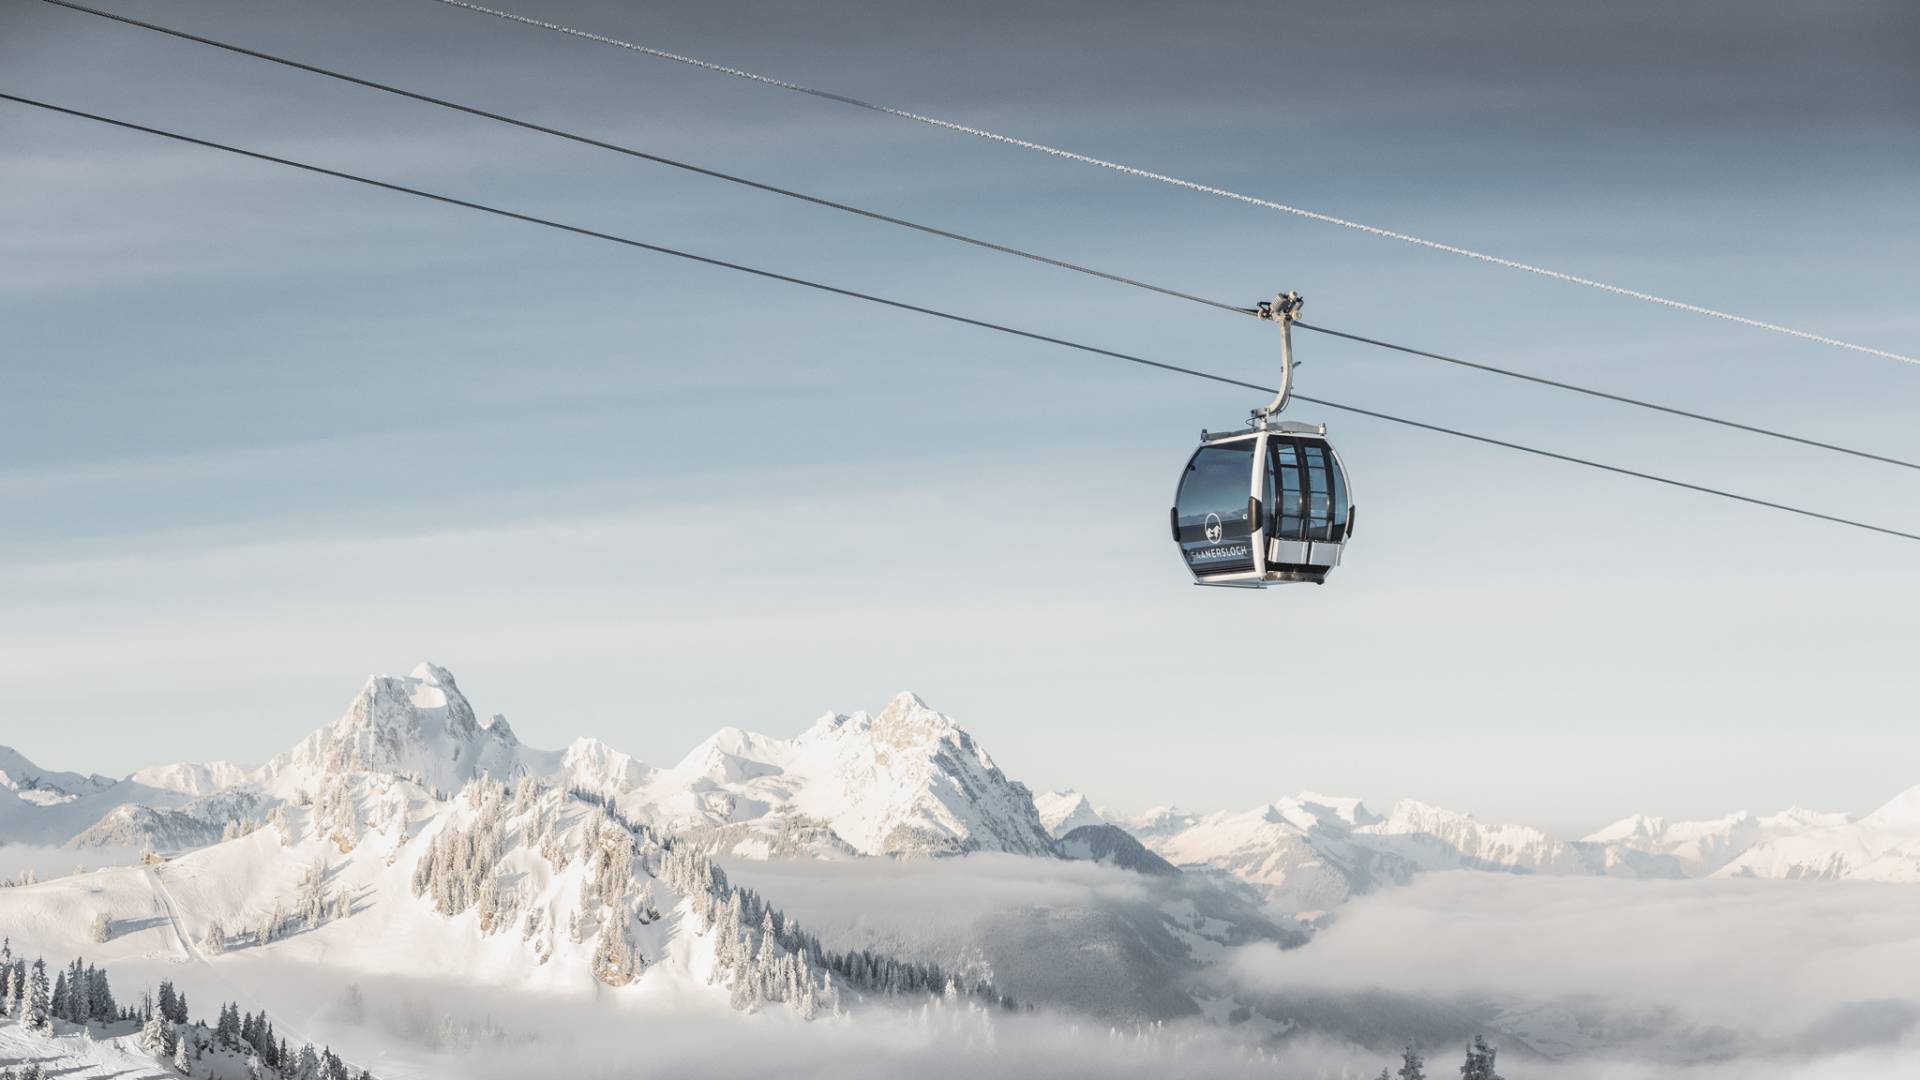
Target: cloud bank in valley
48 862
1810 974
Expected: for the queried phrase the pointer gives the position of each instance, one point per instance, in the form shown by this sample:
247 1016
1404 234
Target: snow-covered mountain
1311 852
526 888
420 727
1793 844
1705 847
411 839
1064 811
907 781
1300 851
45 807
41 787
194 778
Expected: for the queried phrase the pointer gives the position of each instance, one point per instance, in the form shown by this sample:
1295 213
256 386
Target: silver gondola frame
1316 556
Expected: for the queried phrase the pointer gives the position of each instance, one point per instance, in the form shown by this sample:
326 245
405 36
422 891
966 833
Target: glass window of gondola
1289 506
1210 510
1319 491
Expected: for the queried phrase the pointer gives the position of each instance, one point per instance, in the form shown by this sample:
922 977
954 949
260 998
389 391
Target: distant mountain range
908 781
412 838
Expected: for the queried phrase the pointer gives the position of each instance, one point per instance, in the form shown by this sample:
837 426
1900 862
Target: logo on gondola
1214 529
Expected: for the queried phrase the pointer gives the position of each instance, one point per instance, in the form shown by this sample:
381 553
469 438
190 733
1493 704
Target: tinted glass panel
1319 492
1211 509
1284 465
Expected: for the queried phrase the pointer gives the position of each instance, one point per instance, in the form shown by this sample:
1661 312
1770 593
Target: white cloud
1781 967
51 862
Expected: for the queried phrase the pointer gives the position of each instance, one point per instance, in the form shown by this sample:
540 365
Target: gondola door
1215 510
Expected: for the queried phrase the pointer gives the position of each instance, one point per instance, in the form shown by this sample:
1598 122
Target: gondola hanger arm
1284 308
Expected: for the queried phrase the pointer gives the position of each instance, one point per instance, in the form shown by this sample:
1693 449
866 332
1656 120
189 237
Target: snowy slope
69 1052
519 889
142 828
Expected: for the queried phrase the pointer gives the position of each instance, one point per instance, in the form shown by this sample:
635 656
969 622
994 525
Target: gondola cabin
1270 505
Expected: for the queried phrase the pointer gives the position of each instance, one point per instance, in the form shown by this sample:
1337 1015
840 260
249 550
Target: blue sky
266 433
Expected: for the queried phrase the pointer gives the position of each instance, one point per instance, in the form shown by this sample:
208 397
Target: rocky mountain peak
419 726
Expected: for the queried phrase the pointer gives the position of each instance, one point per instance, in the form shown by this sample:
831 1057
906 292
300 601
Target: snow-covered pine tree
59 1006
1412 1066
101 994
552 848
342 818
216 940
1479 1063
487 902
183 1056
101 928
311 906
77 1003
423 870
612 955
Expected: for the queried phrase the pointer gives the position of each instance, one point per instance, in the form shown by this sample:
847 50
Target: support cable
947 234
1190 185
933 312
